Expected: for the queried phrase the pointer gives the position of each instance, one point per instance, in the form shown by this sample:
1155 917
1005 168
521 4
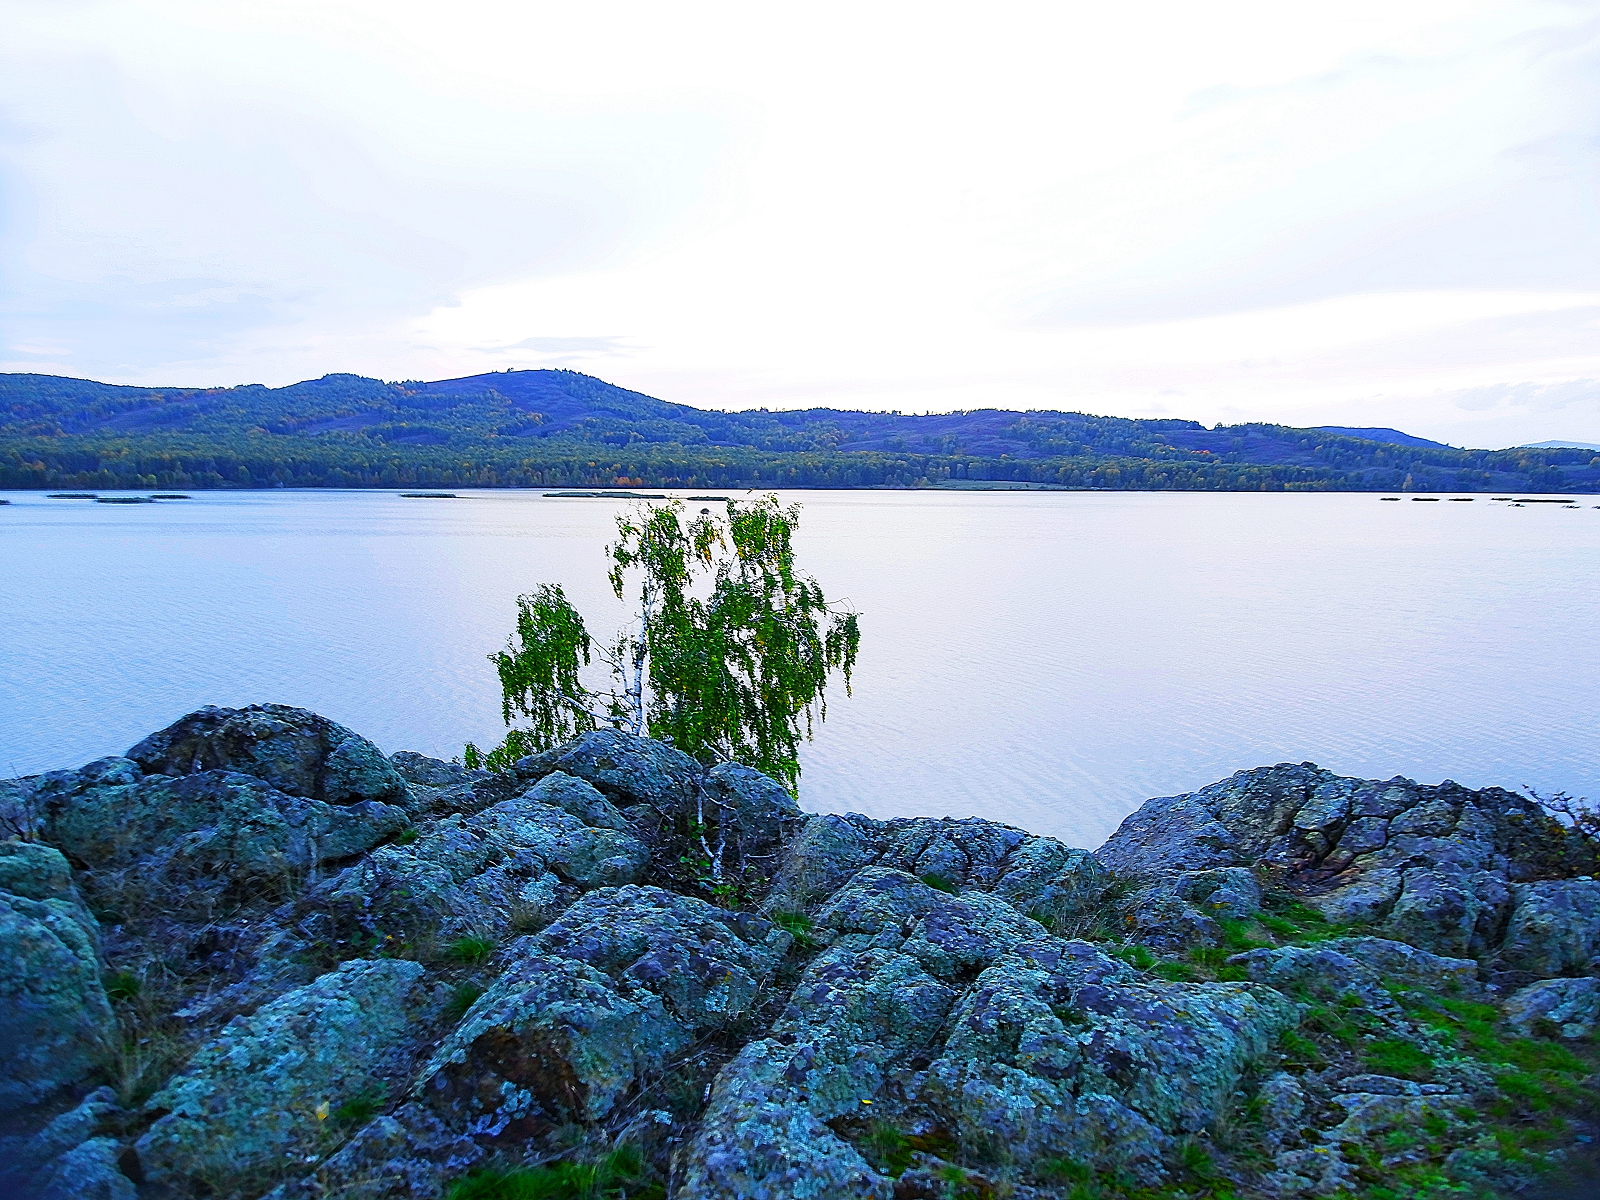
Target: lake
1050 659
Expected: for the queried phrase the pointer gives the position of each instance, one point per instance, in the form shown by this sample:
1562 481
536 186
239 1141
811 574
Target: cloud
1276 212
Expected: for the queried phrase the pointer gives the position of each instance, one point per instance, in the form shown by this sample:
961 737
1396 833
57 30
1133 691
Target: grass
360 1108
461 999
471 950
122 986
796 924
891 1150
620 1175
938 883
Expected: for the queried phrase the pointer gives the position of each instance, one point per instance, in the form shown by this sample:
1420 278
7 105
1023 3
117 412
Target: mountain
1561 446
561 428
1392 436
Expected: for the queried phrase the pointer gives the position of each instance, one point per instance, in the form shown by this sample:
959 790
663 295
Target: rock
625 978
22 1159
35 872
90 1171
232 829
263 1094
760 812
407 1156
1058 1052
473 873
1571 1005
296 751
431 772
1554 929
1039 877
629 770
579 799
55 1020
1432 866
1359 967
1184 910
957 1011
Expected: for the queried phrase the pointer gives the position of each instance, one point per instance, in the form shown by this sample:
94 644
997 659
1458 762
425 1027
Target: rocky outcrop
1481 874
594 1003
337 974
297 752
265 1091
55 1020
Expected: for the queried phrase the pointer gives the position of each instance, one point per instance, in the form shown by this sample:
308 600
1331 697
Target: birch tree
728 656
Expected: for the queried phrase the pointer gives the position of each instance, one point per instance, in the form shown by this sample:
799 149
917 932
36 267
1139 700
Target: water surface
1048 659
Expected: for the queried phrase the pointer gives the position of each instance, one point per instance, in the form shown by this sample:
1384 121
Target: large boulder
1038 876
624 979
212 829
269 1092
55 1021
933 1010
294 750
408 1155
1438 867
1571 1007
1554 929
478 872
630 770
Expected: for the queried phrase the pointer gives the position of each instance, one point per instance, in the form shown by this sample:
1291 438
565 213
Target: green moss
939 883
122 986
359 1109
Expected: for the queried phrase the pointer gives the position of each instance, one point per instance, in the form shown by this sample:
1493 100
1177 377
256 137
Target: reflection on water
1049 659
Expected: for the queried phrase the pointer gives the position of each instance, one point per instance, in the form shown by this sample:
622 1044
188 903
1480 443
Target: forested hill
561 428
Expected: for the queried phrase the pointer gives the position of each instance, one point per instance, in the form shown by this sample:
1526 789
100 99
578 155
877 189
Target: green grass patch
461 999
938 882
122 986
1396 1056
620 1175
471 950
796 924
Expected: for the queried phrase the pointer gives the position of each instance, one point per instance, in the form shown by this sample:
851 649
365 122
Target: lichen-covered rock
25 1160
55 1020
89 1171
1570 1005
407 1156
1059 1051
1554 929
431 772
624 979
1360 967
1186 909
260 1096
473 872
1039 877
294 750
233 829
759 812
580 799
1433 866
630 770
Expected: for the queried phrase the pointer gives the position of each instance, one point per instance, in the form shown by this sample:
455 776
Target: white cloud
1298 213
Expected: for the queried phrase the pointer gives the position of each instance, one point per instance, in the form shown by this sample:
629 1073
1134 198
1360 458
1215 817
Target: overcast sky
1379 213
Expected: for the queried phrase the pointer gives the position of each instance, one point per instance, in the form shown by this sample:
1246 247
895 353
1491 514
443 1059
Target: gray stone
1571 1005
431 772
1433 866
1186 909
261 1095
624 979
55 1021
407 1156
1359 967
579 799
630 770
35 872
1554 928
89 1171
296 751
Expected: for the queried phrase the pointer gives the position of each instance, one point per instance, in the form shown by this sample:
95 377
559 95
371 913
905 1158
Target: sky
1364 213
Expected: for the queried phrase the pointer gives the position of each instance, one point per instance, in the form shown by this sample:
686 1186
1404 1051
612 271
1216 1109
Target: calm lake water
1048 659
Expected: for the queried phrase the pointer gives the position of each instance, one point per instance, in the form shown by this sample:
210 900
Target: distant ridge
1560 446
554 429
1393 436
